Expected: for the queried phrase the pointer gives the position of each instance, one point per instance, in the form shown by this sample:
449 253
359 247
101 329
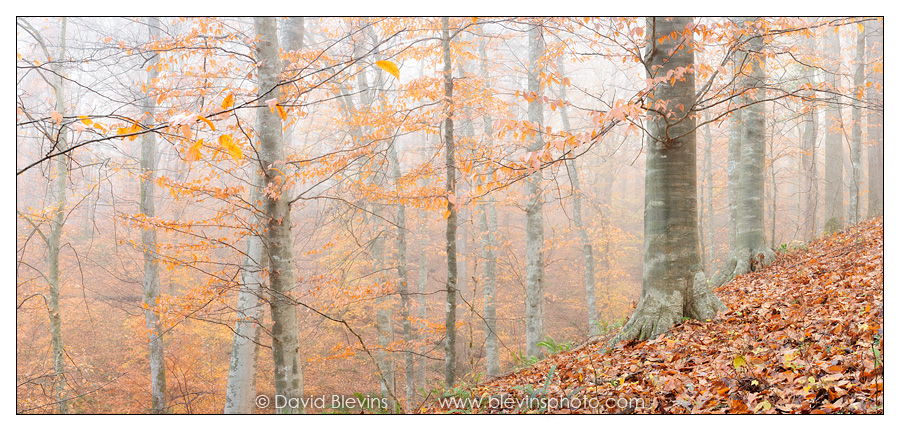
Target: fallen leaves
801 336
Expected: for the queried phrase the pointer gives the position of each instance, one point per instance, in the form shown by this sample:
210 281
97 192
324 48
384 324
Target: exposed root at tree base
743 262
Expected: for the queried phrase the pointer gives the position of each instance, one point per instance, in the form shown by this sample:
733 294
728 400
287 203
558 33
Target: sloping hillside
801 336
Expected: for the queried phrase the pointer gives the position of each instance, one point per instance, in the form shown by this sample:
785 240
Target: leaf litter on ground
804 335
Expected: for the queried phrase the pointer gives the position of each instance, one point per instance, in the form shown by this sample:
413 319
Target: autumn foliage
802 336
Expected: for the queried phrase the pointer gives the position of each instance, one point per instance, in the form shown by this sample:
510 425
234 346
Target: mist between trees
210 209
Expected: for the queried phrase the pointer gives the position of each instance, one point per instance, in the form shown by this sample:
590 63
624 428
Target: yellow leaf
208 123
765 405
84 119
739 361
18 56
281 112
228 102
389 67
446 214
862 28
227 143
194 152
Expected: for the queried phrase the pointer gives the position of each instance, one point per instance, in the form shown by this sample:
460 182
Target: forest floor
801 336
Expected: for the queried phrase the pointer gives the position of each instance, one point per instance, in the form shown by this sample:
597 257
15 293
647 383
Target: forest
449 215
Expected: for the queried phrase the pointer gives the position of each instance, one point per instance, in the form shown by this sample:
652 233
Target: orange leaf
228 102
56 116
227 143
281 113
389 67
208 123
194 152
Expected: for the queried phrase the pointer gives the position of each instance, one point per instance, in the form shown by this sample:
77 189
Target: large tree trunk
834 132
240 392
875 118
279 241
751 251
733 168
450 162
56 226
587 251
859 77
674 286
488 225
808 163
148 239
710 230
534 205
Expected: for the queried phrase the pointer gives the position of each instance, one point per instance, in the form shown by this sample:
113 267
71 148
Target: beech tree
750 249
450 164
285 338
534 204
674 285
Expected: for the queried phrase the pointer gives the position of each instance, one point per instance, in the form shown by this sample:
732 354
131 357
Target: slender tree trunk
751 250
423 305
56 226
240 392
733 168
148 239
450 150
383 313
859 77
285 329
534 223
403 280
808 162
674 286
710 231
774 212
488 225
875 118
834 149
586 247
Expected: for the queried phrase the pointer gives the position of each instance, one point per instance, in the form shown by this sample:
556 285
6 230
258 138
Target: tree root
742 262
658 311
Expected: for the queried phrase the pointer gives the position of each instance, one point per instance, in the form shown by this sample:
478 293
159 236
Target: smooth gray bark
808 163
674 285
285 324
710 228
834 133
423 306
859 76
488 225
875 117
148 240
240 392
733 167
751 251
56 227
587 251
383 324
534 205
403 281
450 164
